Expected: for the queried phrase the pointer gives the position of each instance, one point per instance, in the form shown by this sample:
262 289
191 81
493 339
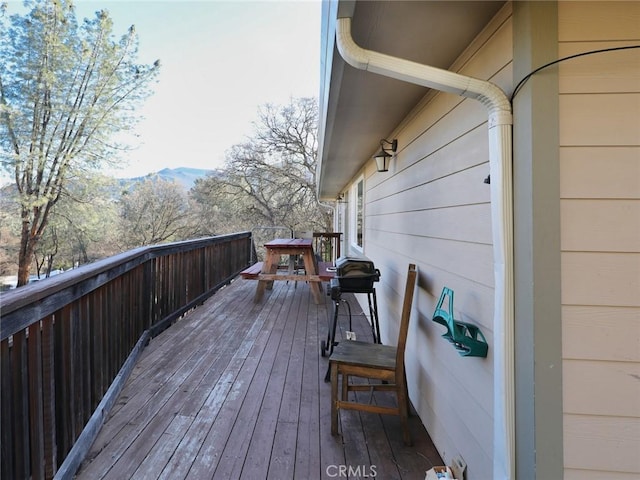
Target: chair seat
365 354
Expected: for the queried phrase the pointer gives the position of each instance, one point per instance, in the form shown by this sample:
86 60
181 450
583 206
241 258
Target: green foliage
65 90
155 211
83 224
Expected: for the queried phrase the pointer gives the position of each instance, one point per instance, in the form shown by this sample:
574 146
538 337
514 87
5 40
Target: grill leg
331 333
373 311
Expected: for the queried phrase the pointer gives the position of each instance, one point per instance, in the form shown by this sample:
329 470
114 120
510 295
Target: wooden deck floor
236 390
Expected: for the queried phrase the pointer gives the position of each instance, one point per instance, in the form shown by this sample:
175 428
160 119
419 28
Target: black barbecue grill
356 274
353 275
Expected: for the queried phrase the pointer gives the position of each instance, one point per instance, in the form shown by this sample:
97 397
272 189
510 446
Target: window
357 214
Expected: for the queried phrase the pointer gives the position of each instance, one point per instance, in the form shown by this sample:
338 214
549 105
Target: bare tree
65 90
215 211
270 179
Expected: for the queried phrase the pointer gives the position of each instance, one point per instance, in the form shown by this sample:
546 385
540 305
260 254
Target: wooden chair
373 361
297 261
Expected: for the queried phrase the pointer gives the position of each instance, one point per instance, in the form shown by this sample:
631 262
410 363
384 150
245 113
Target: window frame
356 237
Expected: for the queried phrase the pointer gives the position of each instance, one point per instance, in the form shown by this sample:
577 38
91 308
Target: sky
220 62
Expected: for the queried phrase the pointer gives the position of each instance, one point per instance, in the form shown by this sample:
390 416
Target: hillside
184 175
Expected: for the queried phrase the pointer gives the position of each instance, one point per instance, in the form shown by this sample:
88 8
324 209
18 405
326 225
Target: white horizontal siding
595 21
463 223
615 71
600 172
600 237
600 119
590 386
602 443
608 333
433 208
594 220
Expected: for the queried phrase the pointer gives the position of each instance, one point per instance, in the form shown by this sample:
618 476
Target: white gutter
500 158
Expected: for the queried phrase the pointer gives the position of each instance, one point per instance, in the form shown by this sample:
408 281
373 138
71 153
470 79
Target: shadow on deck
236 390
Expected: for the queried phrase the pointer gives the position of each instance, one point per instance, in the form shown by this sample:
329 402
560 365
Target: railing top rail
99 272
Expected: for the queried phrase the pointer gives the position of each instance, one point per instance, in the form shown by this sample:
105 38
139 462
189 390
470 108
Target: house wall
433 209
599 112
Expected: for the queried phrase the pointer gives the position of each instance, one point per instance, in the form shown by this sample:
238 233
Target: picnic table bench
325 273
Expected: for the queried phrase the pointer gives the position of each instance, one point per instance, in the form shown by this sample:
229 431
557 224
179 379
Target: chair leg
334 398
345 387
403 407
406 395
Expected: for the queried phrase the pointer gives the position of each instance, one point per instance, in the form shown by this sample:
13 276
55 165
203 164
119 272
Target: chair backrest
404 319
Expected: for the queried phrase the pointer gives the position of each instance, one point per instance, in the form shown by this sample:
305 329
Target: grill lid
352 266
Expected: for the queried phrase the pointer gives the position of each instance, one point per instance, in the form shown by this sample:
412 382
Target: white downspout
500 158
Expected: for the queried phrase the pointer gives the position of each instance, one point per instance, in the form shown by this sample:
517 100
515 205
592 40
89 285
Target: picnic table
266 272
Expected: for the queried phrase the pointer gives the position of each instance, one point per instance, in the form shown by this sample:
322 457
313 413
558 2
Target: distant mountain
184 175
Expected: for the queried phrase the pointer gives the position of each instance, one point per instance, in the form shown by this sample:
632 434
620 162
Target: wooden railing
63 341
327 245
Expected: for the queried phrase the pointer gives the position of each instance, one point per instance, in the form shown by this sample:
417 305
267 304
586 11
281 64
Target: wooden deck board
236 390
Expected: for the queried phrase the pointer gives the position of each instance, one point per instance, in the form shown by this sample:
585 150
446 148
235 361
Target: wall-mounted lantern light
383 157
